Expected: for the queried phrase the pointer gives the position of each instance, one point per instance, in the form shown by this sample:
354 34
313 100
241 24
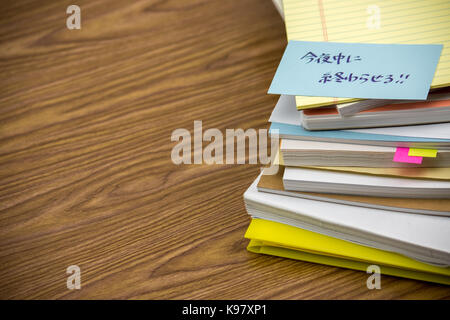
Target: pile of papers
364 124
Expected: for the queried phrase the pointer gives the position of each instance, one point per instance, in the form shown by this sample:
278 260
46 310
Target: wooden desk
86 174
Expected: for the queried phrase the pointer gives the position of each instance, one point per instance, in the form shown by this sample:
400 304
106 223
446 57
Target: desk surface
86 174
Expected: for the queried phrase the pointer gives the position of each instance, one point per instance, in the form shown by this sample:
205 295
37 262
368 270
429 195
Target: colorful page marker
401 155
429 153
356 70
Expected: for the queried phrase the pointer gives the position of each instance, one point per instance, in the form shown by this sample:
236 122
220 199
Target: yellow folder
286 241
400 21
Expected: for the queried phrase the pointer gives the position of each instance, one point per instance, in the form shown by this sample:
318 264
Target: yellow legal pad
400 21
282 240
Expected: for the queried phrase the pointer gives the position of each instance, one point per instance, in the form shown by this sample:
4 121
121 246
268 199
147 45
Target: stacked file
360 181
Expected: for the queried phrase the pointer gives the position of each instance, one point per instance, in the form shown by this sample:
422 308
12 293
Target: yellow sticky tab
429 153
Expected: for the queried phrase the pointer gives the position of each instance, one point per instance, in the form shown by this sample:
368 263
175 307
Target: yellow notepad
400 21
282 240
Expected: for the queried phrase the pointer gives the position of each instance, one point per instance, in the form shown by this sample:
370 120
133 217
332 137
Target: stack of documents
364 125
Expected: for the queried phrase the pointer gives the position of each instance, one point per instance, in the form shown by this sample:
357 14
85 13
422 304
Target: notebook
412 173
401 21
441 207
278 239
349 109
386 115
318 153
421 237
287 120
324 181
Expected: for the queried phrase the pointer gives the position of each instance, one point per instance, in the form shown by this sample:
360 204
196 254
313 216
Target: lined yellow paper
429 153
401 21
282 240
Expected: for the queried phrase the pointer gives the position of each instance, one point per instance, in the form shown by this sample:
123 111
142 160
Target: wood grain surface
86 176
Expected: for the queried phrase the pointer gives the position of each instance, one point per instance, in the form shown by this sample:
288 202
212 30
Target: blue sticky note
356 70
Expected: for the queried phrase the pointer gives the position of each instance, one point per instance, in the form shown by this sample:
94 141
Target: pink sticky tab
401 155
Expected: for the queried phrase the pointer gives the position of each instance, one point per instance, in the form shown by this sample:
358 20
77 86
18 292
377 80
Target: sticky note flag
356 70
401 155
429 153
